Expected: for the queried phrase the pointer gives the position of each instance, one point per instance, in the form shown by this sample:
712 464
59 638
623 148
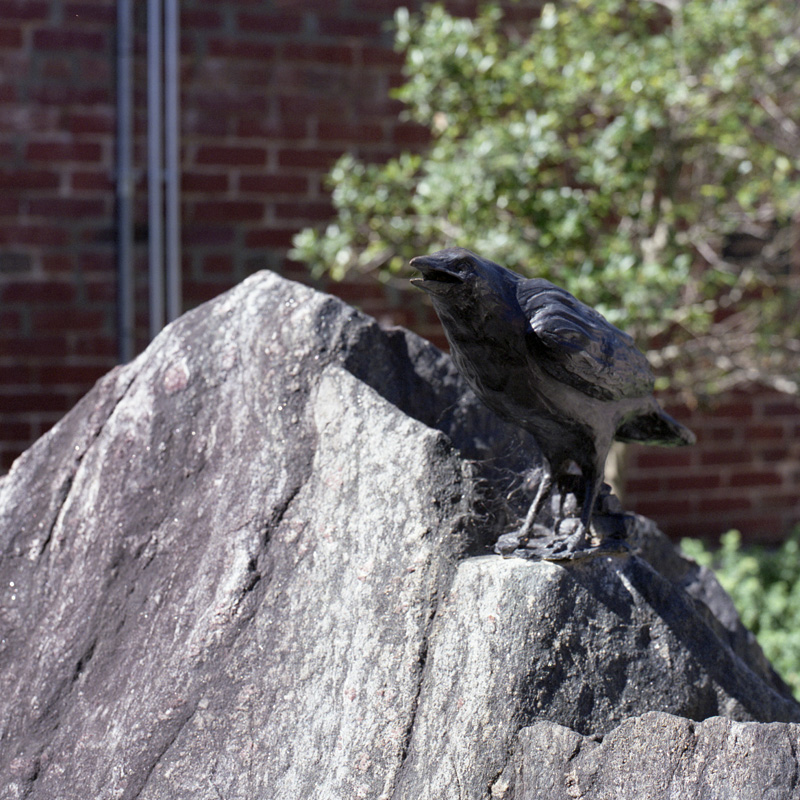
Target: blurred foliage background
613 147
765 588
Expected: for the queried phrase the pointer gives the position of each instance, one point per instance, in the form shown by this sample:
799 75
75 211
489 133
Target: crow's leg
515 540
591 490
542 493
578 535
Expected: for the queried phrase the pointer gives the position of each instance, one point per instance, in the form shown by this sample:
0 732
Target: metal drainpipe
124 182
155 174
172 176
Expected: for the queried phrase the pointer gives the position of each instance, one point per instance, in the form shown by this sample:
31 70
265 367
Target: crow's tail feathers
655 427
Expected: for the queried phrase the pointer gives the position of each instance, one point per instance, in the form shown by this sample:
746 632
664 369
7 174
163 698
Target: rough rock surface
250 565
656 755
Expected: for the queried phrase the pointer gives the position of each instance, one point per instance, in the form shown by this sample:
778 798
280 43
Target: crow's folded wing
579 347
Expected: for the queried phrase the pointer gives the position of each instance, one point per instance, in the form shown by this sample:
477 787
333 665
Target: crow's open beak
436 277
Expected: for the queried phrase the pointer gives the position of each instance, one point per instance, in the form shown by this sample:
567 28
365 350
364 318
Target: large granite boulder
255 563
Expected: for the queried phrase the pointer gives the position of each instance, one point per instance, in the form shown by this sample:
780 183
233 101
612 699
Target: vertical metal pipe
124 182
155 167
172 175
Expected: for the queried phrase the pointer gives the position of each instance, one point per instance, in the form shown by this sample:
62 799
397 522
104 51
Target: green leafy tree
765 588
611 147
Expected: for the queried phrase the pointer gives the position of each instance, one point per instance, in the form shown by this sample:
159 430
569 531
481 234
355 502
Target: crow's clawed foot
607 547
570 542
517 543
508 544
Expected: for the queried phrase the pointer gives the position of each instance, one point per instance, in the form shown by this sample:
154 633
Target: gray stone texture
656 755
253 564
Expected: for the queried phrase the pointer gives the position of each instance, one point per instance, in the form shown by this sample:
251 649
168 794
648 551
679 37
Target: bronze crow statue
543 360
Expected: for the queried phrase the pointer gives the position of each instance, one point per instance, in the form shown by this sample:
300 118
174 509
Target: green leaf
764 585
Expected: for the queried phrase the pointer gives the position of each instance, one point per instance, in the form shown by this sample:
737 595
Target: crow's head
458 273
445 272
473 297
459 276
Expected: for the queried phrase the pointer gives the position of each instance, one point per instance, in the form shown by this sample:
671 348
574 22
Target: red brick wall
272 93
56 210
744 471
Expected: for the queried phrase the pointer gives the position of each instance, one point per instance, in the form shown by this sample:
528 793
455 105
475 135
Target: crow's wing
579 347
